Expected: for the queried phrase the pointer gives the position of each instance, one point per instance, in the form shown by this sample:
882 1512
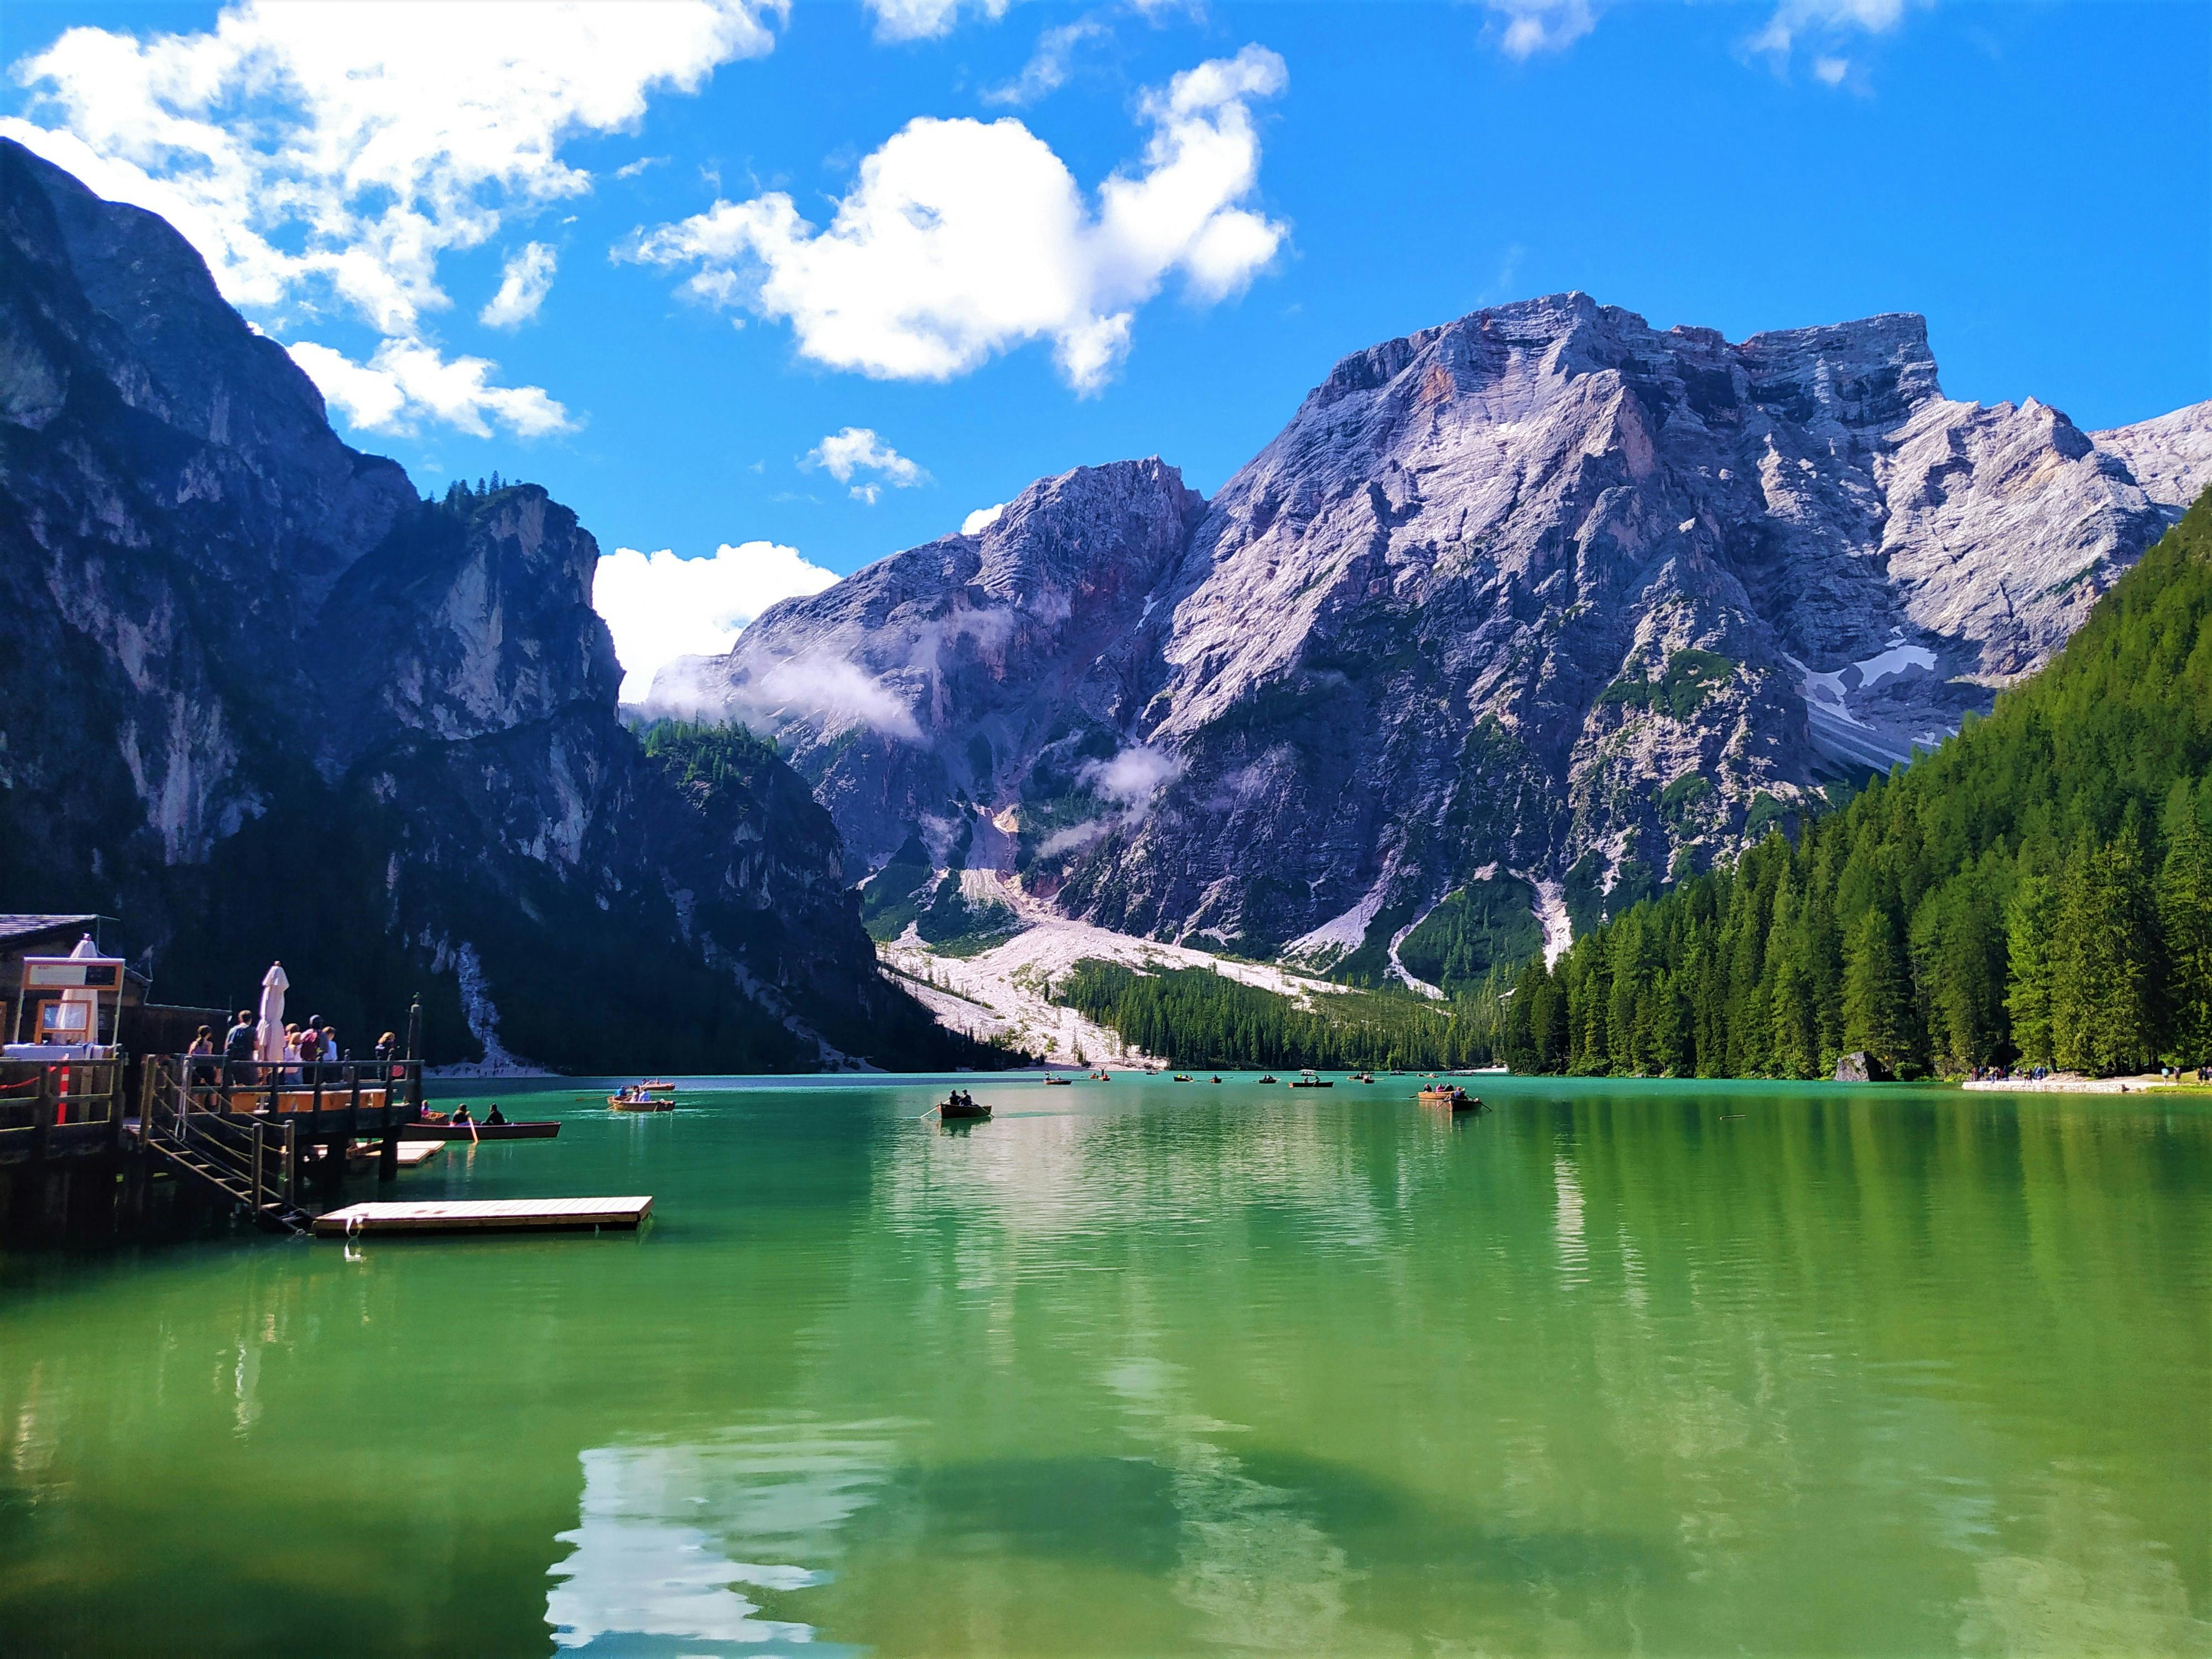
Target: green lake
1148 1368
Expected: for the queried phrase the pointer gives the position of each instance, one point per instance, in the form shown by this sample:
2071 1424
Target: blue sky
1198 210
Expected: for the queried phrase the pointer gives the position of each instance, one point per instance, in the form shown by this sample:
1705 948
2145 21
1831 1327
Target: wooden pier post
415 1056
42 1119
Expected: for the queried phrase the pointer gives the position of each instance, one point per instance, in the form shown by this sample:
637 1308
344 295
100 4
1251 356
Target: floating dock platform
485 1216
412 1154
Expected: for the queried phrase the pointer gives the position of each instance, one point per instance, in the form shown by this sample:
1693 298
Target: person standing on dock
238 1048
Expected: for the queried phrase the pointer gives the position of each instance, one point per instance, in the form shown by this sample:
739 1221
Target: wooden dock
485 1216
410 1154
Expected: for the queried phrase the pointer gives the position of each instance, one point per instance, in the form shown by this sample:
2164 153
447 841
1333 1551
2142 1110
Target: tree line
2038 891
1196 1017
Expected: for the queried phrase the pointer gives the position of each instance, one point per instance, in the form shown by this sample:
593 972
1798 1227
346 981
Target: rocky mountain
258 700
1541 606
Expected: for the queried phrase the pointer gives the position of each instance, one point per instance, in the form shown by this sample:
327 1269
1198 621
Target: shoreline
2069 1083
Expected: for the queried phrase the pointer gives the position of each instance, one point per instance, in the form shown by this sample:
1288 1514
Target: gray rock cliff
258 700
1541 593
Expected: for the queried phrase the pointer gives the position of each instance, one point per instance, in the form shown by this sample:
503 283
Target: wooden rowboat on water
1310 1079
478 1131
963 1108
641 1103
1444 1094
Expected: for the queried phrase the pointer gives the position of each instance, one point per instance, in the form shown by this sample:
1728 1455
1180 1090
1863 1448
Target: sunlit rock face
1542 590
258 700
956 674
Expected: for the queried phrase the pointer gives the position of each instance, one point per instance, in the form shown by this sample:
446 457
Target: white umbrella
85 1028
270 1035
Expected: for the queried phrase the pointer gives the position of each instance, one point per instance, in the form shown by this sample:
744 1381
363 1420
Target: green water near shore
1150 1368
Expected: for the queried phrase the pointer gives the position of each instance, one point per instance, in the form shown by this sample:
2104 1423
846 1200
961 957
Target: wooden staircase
247 1163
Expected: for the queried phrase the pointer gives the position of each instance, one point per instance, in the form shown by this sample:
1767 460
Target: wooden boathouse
88 1138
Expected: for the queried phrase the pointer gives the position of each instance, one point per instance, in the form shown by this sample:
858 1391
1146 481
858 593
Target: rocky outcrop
258 700
2171 457
1543 592
961 672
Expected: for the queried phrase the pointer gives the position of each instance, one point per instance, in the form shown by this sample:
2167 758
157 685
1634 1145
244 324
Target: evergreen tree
1936 919
1877 990
2100 1013
2030 924
2184 915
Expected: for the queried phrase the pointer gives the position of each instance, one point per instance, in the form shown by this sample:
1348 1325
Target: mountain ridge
262 700
1496 589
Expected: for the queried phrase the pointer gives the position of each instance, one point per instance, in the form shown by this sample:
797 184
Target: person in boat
461 1114
494 1116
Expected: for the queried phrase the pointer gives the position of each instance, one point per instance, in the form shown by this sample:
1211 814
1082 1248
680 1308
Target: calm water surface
1155 1368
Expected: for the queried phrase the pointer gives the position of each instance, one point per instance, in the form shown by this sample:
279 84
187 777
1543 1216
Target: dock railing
48 1106
374 1094
246 1125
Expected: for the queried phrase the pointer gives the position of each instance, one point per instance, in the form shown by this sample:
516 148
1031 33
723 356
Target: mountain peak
1487 601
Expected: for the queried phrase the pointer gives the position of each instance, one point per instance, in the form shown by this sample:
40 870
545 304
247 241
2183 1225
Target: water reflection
1148 1372
667 1534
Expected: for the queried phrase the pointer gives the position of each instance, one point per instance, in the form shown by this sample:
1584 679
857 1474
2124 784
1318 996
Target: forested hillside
2038 890
1192 1017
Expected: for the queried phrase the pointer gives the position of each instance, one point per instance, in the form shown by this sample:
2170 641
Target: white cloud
407 383
857 449
1530 27
961 239
1825 20
1046 69
926 20
981 519
1133 776
523 286
631 169
1132 780
332 153
1535 26
828 692
659 607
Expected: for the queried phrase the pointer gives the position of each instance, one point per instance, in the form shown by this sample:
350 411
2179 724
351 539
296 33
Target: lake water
1149 1368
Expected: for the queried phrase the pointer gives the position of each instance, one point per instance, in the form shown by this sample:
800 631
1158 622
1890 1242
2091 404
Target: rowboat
641 1103
1183 1077
1446 1094
478 1131
1309 1080
954 1109
1061 1082
1268 1077
656 1086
